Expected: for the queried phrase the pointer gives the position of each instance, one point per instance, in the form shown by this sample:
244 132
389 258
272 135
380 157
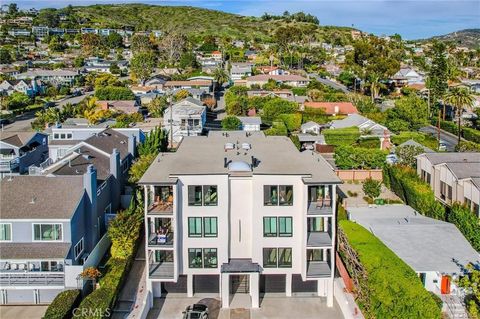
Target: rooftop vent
246 146
86 156
229 146
33 200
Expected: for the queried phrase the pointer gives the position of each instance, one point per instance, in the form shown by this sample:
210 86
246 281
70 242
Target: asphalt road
21 123
449 139
330 83
73 100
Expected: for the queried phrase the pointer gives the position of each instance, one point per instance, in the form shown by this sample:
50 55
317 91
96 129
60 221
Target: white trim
75 254
11 232
38 221
47 241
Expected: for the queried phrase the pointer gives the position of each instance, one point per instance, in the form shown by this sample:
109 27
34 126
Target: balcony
161 270
31 279
161 240
320 208
8 163
161 199
191 128
318 269
319 239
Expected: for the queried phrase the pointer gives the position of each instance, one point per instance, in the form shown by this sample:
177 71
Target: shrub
404 182
466 146
467 222
231 123
114 93
292 121
471 134
371 188
388 287
342 136
449 127
349 157
369 142
406 154
278 128
63 305
276 106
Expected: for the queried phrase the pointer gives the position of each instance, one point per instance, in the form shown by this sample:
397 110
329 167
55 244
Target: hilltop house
240 70
240 212
333 108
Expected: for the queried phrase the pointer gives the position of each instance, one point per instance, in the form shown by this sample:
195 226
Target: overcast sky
412 19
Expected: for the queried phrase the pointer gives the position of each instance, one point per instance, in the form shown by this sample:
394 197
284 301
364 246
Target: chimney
115 163
132 145
90 183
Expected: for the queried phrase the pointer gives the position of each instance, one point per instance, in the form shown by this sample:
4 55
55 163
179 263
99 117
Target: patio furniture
7 266
22 267
14 266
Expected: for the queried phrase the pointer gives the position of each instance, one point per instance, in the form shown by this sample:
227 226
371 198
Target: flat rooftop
424 243
207 155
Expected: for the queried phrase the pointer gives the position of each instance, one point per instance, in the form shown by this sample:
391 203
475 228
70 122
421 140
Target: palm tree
220 76
459 98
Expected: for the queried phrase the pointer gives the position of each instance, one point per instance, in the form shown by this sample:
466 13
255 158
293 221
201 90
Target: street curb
447 133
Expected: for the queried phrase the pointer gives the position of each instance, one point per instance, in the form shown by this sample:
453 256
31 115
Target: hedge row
413 191
124 231
369 142
342 136
467 222
63 304
350 157
416 193
391 289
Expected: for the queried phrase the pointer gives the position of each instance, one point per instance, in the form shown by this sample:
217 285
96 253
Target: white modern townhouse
240 213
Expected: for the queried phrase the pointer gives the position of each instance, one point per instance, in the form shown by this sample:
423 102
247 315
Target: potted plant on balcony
91 273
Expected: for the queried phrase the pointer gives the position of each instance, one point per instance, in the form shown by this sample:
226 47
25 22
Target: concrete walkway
20 312
358 201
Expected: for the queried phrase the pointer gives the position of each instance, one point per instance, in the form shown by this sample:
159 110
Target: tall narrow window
270 195
194 195
210 197
194 227
286 195
285 226
269 226
5 232
285 257
269 257
195 258
210 226
210 258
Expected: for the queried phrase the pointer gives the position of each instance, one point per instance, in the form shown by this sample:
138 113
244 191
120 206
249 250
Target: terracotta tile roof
281 78
333 107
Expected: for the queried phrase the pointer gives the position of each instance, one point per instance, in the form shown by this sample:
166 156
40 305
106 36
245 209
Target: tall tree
141 43
142 66
438 73
172 44
220 76
459 98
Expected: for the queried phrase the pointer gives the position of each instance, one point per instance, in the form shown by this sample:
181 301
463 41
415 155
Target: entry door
239 284
445 285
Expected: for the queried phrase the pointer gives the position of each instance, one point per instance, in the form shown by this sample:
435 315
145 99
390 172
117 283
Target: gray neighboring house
240 70
416 144
250 123
20 150
434 249
453 177
50 76
49 232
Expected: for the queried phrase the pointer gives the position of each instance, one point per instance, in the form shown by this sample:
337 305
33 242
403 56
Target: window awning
239 265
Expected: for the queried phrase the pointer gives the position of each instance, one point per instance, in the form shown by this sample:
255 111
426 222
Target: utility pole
169 101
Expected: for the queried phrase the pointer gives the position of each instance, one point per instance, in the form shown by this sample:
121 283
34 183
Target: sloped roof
40 197
17 139
33 250
333 107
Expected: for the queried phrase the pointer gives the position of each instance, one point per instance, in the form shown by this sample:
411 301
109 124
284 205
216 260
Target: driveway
271 307
330 83
17 312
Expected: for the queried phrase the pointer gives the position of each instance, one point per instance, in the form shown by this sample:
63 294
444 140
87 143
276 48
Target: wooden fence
359 174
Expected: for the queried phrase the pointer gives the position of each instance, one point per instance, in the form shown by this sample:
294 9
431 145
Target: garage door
206 284
300 287
179 287
272 283
47 295
20 296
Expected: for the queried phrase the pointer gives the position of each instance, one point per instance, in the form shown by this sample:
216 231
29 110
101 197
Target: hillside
192 20
468 38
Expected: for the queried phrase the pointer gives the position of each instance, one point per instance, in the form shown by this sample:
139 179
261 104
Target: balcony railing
318 269
319 239
191 128
32 279
161 208
161 240
162 270
320 207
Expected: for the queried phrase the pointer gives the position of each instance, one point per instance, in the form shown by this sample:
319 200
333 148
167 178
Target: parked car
196 311
392 159
442 146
